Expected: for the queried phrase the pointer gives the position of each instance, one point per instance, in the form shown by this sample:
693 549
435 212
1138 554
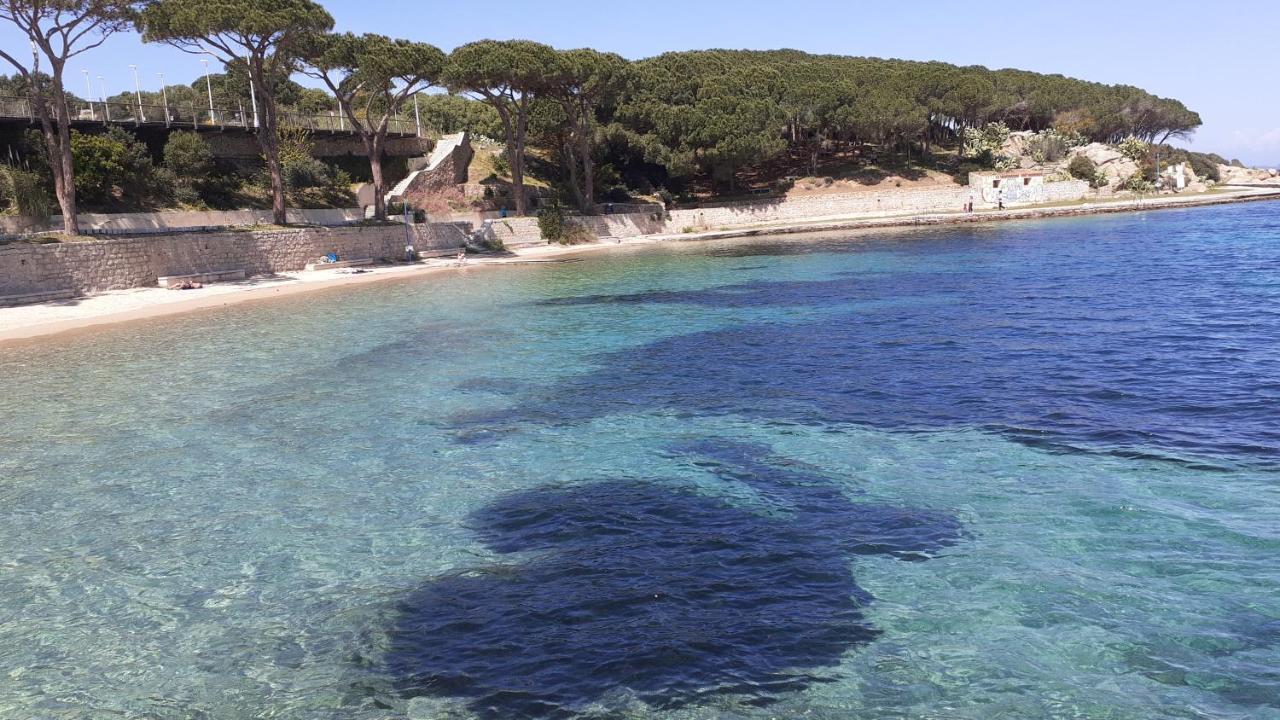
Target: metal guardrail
177 115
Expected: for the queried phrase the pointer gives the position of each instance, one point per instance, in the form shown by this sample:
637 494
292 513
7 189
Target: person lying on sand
186 285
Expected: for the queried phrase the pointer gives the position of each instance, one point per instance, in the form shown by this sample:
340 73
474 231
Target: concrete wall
522 232
141 222
888 202
118 263
515 232
242 145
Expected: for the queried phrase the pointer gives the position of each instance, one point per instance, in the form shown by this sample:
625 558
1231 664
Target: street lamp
253 99
89 88
137 92
417 119
208 85
106 107
164 92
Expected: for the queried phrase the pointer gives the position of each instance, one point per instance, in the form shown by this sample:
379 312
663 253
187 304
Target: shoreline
30 322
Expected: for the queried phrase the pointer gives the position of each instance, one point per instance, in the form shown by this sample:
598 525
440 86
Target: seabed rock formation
629 589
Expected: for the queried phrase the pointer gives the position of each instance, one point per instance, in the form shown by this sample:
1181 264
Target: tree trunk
67 199
588 172
571 162
514 149
374 148
517 159
57 139
269 141
271 151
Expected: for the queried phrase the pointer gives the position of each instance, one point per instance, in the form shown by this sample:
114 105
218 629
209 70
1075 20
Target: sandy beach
138 304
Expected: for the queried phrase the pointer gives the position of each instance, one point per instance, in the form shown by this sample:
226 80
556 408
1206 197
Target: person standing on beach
1000 200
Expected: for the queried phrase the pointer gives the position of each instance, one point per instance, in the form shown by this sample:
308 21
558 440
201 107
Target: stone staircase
449 157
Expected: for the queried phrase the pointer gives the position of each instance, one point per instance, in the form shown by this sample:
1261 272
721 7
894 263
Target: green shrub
188 156
1138 182
552 222
1204 167
1083 168
99 164
501 166
189 160
114 171
984 144
1134 149
23 192
1051 146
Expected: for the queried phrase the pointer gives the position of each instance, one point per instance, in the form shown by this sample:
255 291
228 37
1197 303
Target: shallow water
1012 471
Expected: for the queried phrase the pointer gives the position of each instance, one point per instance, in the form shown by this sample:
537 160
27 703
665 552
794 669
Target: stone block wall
175 220
517 232
119 263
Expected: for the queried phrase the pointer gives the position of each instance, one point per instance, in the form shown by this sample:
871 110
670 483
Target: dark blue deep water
1009 471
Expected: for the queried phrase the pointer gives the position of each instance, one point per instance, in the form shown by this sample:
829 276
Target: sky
1220 58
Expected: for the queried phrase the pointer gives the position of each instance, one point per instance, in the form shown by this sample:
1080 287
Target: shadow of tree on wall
634 589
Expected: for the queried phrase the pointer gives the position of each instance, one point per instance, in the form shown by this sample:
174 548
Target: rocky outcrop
1232 175
1114 166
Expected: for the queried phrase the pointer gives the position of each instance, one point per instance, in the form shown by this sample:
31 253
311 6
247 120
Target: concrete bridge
88 114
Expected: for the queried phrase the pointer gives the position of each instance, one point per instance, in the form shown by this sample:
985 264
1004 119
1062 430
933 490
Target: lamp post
89 88
137 92
253 100
208 86
417 118
106 107
164 93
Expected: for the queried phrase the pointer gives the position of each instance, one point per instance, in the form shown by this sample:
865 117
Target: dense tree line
717 111
705 113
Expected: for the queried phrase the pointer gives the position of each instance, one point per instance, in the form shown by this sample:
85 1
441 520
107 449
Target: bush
501 166
1138 182
1083 168
189 160
984 144
300 169
188 156
114 170
616 194
23 192
1204 166
1134 149
1051 146
552 222
99 164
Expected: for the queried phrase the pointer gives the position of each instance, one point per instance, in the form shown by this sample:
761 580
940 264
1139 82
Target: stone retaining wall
97 265
177 220
517 232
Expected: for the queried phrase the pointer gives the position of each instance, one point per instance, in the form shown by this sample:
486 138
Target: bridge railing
179 115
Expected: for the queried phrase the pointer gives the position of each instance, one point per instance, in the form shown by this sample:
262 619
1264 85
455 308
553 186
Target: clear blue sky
1220 58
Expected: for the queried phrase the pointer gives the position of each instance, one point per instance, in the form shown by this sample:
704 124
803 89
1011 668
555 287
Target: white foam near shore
60 316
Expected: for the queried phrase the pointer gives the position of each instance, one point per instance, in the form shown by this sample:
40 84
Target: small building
1012 186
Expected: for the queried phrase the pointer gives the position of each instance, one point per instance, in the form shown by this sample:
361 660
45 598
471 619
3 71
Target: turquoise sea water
1013 471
